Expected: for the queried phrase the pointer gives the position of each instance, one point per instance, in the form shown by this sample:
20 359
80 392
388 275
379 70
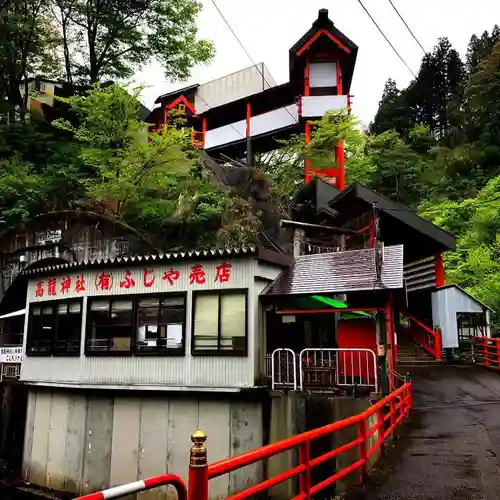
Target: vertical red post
362 447
305 475
439 270
307 130
438 344
203 131
307 75
339 150
380 432
307 162
165 118
389 324
198 468
497 352
249 117
372 231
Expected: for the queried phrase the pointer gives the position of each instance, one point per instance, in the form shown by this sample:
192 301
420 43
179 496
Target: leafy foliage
111 39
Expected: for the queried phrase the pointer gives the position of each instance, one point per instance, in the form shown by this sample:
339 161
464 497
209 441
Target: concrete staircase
410 353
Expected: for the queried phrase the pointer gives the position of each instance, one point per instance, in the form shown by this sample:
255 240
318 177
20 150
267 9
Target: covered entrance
330 322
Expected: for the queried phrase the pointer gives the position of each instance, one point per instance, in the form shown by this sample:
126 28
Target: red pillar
203 131
439 270
339 150
307 92
372 231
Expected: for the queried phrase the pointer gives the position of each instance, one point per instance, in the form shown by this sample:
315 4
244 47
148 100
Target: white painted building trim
120 387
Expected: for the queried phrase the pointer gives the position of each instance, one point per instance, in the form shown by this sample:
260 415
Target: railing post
305 475
439 349
198 468
394 417
381 432
363 470
497 353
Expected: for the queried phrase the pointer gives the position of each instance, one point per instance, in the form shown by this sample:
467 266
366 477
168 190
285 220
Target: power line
246 51
210 107
386 39
407 27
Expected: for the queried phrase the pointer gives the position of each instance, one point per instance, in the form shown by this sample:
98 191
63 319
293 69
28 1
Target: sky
268 28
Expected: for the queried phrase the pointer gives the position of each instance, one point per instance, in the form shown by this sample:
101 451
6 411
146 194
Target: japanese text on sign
105 281
11 354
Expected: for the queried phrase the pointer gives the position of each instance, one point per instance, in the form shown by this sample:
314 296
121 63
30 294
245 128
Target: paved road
453 449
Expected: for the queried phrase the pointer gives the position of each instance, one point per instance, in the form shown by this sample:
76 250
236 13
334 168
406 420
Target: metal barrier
486 352
147 484
283 369
425 337
389 412
374 426
341 367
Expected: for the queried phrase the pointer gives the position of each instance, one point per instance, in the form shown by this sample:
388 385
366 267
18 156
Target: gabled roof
323 28
421 230
176 93
340 272
465 293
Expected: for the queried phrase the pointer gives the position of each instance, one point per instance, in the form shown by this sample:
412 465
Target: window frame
218 351
135 298
54 305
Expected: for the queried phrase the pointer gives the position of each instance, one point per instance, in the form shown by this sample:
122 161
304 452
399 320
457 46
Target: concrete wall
85 441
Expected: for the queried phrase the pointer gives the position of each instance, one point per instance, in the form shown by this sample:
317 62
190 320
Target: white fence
324 368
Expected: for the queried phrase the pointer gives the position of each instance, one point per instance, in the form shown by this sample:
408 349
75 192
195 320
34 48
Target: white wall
166 371
84 442
446 303
317 106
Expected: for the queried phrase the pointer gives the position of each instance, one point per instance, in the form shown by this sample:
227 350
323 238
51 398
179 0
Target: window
470 325
55 328
160 324
111 325
140 325
220 323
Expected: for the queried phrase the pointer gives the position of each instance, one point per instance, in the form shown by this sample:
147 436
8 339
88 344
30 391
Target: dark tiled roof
349 271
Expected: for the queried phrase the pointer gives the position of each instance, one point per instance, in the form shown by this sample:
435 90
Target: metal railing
283 369
425 337
372 433
486 352
341 367
322 368
375 426
137 486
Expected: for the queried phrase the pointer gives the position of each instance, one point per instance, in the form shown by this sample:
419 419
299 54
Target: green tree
111 39
156 184
28 44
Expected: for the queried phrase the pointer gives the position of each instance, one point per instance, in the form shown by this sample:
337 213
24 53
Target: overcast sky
268 28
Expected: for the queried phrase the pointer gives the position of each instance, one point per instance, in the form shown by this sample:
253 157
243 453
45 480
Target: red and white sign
174 277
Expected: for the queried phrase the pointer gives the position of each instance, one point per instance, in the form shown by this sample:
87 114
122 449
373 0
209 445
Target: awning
21 312
340 272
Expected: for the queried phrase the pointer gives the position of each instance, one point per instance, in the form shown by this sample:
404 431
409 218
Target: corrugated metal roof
211 253
348 271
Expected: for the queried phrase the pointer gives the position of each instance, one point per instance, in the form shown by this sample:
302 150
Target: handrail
399 403
433 347
486 352
144 485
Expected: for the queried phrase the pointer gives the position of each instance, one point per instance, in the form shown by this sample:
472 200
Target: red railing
374 426
487 352
147 484
371 436
425 337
